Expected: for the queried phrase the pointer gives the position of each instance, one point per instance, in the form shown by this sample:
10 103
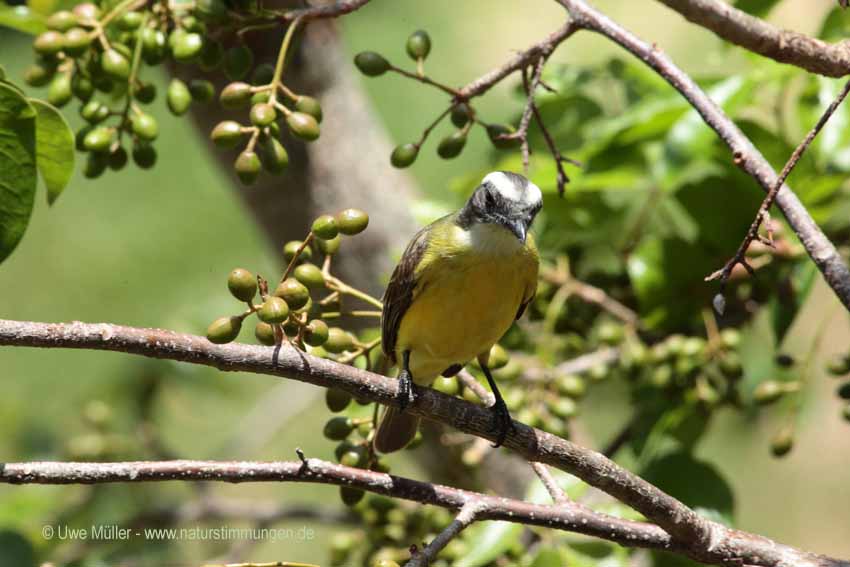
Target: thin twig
555 491
464 518
740 256
469 381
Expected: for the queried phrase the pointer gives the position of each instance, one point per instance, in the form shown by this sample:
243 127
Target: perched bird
459 286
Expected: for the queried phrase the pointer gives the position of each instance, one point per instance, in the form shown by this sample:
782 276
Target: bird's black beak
519 228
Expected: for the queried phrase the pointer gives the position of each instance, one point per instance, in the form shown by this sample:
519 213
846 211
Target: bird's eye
489 199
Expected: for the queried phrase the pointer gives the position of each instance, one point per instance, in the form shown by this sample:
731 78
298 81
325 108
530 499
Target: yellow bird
459 286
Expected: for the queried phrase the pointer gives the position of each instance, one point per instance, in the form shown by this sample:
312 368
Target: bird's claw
406 390
502 422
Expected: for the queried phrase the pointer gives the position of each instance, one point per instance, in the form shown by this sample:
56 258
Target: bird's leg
406 388
502 422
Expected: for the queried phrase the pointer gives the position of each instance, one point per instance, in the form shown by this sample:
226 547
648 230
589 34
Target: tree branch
691 534
744 153
334 10
753 232
749 32
468 514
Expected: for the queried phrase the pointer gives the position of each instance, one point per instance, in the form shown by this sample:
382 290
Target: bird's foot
502 422
406 390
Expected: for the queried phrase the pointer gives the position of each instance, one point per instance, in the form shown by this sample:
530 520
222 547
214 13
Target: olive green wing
399 293
531 290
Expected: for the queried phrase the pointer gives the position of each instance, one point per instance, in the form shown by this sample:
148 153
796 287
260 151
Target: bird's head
504 198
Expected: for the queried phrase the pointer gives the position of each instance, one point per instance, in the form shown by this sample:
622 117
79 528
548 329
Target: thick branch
740 28
701 539
334 10
745 154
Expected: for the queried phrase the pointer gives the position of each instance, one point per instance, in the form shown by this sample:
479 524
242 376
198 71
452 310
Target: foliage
645 218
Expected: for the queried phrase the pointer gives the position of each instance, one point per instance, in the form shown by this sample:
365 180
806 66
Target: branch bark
757 35
744 153
691 534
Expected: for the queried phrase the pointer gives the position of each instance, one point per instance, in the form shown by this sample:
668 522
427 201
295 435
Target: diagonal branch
470 512
744 153
757 35
753 232
695 536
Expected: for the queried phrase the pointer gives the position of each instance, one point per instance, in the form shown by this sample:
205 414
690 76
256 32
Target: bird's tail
395 430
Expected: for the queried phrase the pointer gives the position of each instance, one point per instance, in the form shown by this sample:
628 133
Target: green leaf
54 148
756 7
15 550
23 19
696 483
18 174
836 26
489 541
547 557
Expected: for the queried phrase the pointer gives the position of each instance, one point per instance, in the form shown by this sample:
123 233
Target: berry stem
433 125
297 255
281 59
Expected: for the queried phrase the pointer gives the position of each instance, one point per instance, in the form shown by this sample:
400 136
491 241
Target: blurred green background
153 249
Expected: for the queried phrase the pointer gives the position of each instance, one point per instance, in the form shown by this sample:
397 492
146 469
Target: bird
460 284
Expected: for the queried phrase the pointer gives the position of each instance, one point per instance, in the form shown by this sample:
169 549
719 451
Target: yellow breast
467 296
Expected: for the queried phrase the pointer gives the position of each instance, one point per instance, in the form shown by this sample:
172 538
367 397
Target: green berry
316 333
353 458
264 334
260 97
82 87
309 275
145 92
59 91
38 75
94 112
153 45
404 155
211 56
782 443
130 21
86 12
451 146
201 90
352 221
235 95
336 399
247 166
572 386
49 43
263 74
291 248
461 114
563 407
178 97
61 21
329 247
145 126
309 105
418 45
96 164
224 330
844 391
187 47
242 284
495 133
448 386
76 41
768 392
114 64
214 11
99 139
117 159
325 227
371 64
350 496
838 365
273 155
338 428
293 292
144 154
227 134
274 310
303 126
338 341
498 357
237 62
262 114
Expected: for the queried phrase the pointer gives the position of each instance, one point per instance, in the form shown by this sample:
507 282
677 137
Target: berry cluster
463 115
288 311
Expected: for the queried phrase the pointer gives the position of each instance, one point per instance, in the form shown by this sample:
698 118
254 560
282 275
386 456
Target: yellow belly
462 311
